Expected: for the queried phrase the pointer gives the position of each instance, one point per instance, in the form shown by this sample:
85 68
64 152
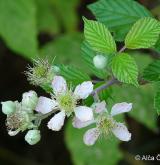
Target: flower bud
8 107
56 69
100 61
29 100
41 73
32 137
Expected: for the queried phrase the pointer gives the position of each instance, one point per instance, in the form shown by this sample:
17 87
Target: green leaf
66 13
72 74
142 98
118 15
18 26
99 37
143 34
66 49
46 17
101 153
88 55
157 45
152 71
125 69
157 101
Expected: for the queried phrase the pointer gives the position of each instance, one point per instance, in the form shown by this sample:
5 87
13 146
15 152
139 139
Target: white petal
121 132
45 105
57 121
83 90
100 107
84 113
59 85
13 133
79 124
91 136
121 108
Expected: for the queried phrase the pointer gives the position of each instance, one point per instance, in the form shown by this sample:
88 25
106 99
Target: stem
122 49
44 116
96 97
104 86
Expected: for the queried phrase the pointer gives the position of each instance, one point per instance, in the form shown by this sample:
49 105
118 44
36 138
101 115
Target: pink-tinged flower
105 123
45 105
66 101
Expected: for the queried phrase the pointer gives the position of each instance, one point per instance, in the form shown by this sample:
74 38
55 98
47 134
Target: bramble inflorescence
65 102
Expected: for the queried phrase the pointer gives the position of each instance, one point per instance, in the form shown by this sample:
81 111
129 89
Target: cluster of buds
21 116
64 102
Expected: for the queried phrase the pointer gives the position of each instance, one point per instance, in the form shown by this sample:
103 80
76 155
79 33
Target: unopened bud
8 107
32 137
100 61
29 100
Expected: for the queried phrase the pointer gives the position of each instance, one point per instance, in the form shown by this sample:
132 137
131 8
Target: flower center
17 120
67 102
105 124
40 71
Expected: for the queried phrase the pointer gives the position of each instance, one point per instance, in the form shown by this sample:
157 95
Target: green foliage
46 17
118 15
157 45
66 49
143 34
157 101
152 71
105 94
105 151
18 26
125 69
99 37
142 100
73 74
66 13
88 55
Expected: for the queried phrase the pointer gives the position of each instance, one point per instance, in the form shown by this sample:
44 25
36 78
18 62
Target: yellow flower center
67 102
105 124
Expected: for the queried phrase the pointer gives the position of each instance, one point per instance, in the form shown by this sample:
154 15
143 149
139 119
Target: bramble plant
79 96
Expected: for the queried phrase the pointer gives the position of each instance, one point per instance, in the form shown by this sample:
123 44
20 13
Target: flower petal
45 105
121 108
57 121
91 136
100 107
84 113
59 85
121 132
79 124
83 90
13 133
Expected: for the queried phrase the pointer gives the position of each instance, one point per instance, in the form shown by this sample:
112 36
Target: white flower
105 123
66 100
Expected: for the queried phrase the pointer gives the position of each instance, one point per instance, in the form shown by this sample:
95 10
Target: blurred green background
49 28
